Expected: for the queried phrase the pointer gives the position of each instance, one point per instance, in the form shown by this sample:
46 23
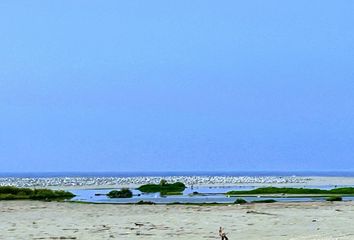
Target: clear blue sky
176 85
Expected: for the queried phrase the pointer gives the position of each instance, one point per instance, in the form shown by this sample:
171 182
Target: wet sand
288 221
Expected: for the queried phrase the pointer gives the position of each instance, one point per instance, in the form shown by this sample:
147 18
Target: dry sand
53 220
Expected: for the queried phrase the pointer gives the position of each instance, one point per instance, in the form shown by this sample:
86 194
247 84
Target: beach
288 221
174 120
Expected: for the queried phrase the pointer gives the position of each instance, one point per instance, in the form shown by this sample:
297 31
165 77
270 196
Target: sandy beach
55 220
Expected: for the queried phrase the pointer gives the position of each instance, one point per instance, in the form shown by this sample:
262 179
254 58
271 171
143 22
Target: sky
176 85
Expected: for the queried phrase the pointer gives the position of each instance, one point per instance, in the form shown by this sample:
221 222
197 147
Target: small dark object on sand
222 234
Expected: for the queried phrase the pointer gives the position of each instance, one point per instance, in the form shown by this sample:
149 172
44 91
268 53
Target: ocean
180 173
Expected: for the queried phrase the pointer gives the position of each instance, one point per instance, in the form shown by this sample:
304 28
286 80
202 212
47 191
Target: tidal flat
275 221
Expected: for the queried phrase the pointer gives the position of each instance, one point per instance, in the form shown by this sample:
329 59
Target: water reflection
207 195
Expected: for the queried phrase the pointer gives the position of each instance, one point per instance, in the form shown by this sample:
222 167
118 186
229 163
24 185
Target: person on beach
222 234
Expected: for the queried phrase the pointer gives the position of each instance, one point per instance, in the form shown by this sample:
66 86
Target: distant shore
68 183
103 182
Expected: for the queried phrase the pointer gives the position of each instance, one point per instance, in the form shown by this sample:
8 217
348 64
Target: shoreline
66 183
136 181
313 181
306 181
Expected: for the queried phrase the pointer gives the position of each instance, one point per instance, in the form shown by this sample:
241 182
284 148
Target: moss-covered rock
163 188
240 201
123 193
334 199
